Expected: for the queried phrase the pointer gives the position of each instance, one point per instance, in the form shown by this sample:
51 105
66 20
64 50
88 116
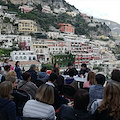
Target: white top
36 109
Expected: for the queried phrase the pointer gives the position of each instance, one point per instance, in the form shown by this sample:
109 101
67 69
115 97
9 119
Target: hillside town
21 35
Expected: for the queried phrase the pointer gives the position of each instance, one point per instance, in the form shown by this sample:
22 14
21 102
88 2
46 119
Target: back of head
45 94
5 89
81 100
84 65
53 77
115 75
32 66
11 73
71 72
100 79
111 100
25 76
7 67
43 69
11 79
91 77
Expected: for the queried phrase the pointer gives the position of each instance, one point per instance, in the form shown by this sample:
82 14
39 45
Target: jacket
18 72
69 113
67 71
82 72
37 109
33 74
29 86
8 109
43 76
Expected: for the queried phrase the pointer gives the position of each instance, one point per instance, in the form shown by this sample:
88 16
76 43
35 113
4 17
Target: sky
105 9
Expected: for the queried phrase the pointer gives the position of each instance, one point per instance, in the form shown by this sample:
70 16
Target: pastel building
67 28
27 26
25 8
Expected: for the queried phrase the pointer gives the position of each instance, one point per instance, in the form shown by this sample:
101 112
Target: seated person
41 107
70 66
83 70
42 75
90 80
77 109
27 85
70 80
96 91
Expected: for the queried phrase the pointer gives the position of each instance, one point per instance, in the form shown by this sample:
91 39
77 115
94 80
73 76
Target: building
67 28
23 55
41 49
26 42
27 26
46 9
25 8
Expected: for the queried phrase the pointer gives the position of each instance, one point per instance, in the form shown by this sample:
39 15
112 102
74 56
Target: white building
46 9
23 55
10 16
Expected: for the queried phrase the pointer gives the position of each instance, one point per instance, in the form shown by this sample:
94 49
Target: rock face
54 3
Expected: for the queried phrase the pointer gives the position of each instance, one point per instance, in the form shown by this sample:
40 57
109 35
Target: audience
7 106
70 80
42 75
79 109
90 80
96 91
109 108
6 62
83 70
41 107
18 70
27 85
33 72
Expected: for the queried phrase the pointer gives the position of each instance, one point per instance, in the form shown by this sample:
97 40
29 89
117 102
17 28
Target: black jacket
82 72
69 113
67 71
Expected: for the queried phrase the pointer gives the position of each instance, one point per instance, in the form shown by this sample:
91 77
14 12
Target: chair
28 118
69 91
39 83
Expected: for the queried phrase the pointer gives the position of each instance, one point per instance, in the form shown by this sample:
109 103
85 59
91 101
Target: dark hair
115 75
56 70
53 77
100 79
84 65
43 69
32 66
70 64
5 60
0 68
55 65
17 63
81 100
7 67
25 76
71 72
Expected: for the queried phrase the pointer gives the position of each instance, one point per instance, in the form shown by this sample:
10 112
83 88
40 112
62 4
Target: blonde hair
11 79
45 94
11 73
91 78
5 90
111 100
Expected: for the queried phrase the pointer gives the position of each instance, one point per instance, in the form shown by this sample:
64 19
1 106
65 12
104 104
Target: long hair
111 100
91 78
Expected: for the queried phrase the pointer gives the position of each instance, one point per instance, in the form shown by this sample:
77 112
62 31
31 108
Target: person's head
6 61
71 72
11 73
7 68
56 70
43 69
84 66
100 79
45 94
33 67
13 80
53 77
91 78
26 76
17 64
81 99
56 65
111 100
115 75
6 89
70 65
